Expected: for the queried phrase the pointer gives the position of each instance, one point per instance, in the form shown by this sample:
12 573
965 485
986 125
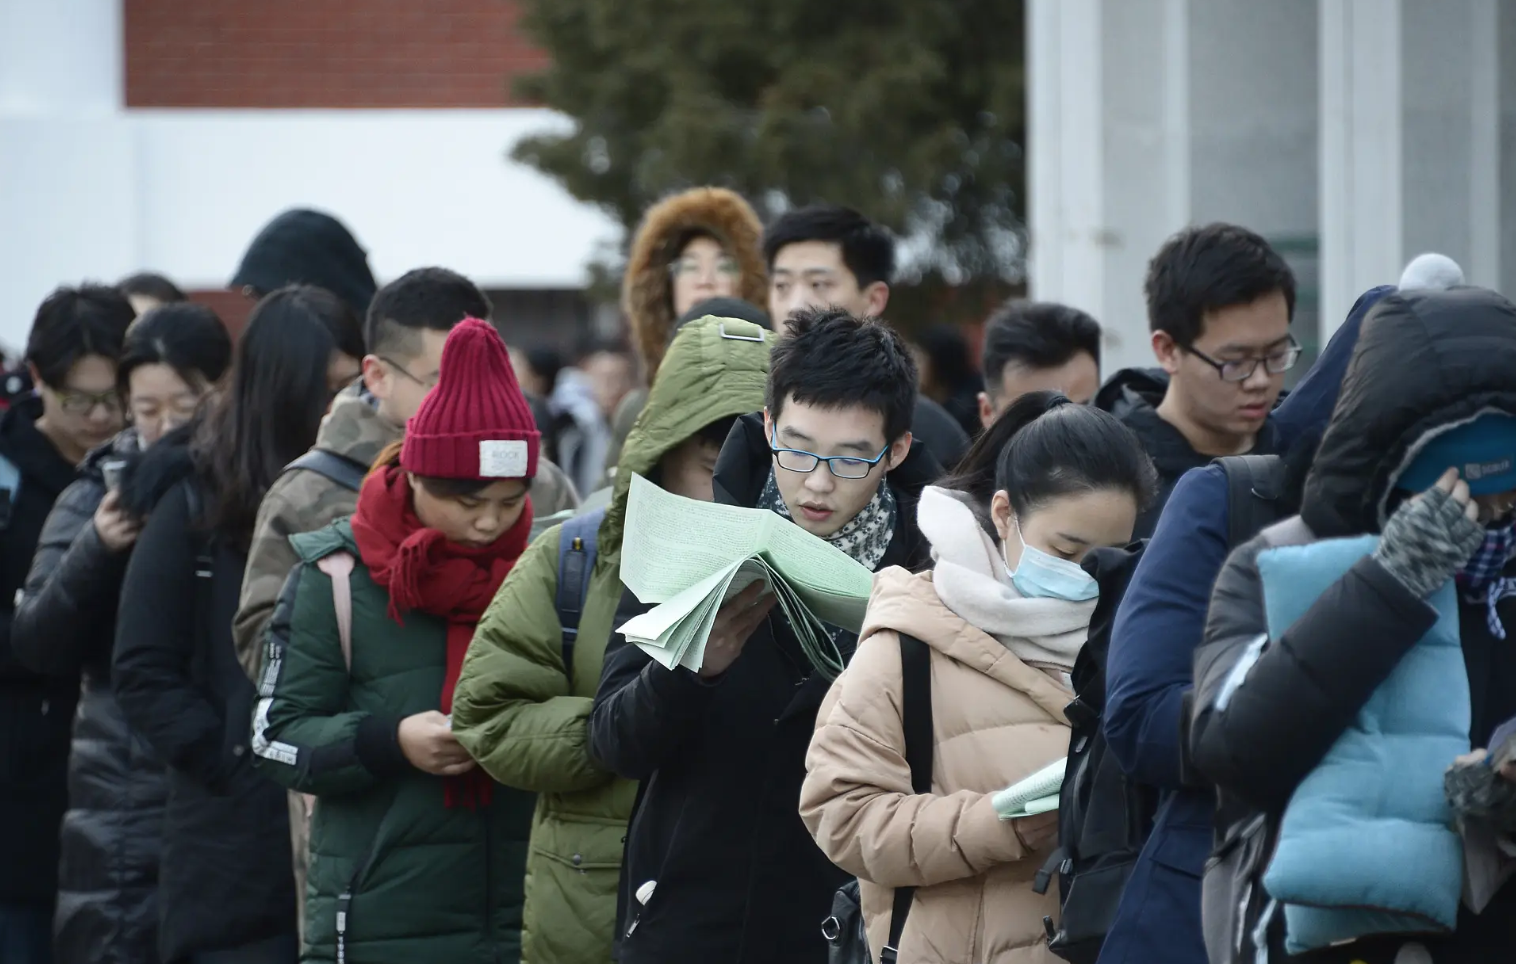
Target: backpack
1105 817
844 932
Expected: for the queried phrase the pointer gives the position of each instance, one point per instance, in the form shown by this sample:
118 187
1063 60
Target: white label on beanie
502 459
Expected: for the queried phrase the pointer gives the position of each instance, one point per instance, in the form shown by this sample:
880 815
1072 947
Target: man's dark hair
1205 269
868 250
75 322
1035 334
834 360
153 285
433 298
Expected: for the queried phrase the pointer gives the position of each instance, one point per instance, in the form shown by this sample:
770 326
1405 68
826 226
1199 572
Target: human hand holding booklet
688 557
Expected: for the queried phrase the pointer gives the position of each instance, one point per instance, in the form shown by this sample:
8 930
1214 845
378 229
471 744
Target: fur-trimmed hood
647 294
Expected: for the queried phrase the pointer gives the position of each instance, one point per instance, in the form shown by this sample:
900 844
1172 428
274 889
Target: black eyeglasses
83 403
428 384
841 466
1241 369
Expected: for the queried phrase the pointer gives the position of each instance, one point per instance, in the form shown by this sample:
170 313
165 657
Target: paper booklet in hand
1038 793
688 557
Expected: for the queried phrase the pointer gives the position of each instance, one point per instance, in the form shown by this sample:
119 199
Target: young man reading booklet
718 865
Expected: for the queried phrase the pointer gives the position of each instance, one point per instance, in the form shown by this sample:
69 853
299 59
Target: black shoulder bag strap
1253 491
338 469
916 714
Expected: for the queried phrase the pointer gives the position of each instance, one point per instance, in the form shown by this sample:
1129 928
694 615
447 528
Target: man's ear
986 410
876 297
31 369
376 378
900 449
1167 351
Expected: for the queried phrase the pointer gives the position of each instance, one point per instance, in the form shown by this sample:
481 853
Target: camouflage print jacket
303 501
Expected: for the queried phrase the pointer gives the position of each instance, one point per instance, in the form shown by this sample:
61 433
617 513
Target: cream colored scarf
971 580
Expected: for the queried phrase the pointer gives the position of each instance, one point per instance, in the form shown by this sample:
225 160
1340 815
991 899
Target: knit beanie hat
1483 450
475 424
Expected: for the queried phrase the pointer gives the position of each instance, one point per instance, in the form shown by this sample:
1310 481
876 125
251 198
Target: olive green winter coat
526 722
428 882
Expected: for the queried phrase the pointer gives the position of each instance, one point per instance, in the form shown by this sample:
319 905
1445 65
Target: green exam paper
687 557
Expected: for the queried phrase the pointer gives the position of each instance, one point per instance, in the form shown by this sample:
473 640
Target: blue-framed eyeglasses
841 466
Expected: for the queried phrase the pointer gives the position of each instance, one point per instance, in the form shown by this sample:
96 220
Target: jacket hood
909 604
647 294
308 247
127 446
1132 388
354 429
716 368
1305 412
1426 362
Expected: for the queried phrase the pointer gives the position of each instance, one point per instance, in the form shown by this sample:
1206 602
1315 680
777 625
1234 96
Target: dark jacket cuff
377 745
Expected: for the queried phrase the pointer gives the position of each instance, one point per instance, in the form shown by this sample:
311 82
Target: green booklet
688 557
1038 793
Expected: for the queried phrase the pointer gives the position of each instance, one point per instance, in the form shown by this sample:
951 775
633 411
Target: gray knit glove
1426 541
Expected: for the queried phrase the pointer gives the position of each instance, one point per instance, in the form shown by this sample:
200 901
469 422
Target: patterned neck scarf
1484 576
866 538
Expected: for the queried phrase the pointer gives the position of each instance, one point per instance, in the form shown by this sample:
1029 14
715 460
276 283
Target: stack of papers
686 558
1038 793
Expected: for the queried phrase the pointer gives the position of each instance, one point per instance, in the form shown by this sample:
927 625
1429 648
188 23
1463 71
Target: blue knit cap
1483 451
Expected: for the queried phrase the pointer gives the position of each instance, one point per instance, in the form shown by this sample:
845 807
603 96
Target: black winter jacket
1133 396
225 877
717 824
36 711
1425 359
65 627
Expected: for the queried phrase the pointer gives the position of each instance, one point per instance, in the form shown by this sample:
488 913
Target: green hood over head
716 368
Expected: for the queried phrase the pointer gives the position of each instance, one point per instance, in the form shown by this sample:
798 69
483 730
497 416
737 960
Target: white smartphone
111 469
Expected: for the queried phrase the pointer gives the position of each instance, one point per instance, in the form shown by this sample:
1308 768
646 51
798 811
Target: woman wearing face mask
416 854
65 626
1003 612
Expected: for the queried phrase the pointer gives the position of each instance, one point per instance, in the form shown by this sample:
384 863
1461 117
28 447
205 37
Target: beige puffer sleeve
857 800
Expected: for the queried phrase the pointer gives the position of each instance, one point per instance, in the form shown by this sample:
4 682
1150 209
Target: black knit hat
724 308
308 247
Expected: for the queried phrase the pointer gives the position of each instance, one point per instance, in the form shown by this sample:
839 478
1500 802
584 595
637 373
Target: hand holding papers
1038 793
689 557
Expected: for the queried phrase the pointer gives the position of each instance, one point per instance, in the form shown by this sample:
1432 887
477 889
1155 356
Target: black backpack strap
916 720
338 468
577 549
1254 486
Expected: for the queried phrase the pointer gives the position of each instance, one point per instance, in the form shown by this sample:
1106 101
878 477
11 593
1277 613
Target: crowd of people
311 644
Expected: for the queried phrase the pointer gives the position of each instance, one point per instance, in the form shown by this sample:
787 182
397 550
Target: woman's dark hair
74 323
269 414
1044 446
187 337
345 327
438 488
153 285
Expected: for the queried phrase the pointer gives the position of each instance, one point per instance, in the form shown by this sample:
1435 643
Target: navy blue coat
1149 670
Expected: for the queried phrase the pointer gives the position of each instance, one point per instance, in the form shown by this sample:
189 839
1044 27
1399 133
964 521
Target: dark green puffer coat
428 882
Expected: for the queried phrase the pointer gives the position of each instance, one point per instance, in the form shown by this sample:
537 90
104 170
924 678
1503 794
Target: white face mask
1044 576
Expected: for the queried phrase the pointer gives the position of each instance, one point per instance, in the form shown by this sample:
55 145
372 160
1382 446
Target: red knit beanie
475 424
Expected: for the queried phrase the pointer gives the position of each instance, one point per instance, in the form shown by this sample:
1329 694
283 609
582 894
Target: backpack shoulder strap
1254 484
578 547
916 720
337 468
338 566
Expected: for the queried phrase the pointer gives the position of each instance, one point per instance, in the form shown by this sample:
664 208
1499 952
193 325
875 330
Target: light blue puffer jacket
1366 845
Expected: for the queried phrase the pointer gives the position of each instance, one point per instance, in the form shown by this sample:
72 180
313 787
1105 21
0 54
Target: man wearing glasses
1220 301
718 865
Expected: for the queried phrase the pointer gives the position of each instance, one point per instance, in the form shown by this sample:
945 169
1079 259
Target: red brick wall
323 53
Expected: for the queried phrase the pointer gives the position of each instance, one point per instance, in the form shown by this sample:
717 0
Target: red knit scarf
422 570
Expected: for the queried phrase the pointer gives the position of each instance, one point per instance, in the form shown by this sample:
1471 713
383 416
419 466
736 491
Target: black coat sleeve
1263 719
156 639
642 711
67 612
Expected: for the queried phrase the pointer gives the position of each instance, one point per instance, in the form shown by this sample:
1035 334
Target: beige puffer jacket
996 720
